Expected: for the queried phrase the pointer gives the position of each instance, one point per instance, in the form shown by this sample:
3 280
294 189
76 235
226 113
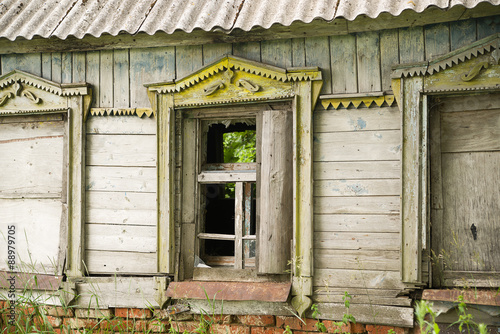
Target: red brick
233 329
266 330
75 323
133 313
157 326
117 325
309 325
216 318
188 326
357 328
54 321
257 320
292 322
377 329
333 327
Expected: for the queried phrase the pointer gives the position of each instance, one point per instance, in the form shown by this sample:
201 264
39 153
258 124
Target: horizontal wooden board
136 179
386 187
327 290
121 125
357 170
362 119
30 131
136 292
37 224
470 131
370 313
351 278
227 176
107 262
32 118
357 146
469 102
129 238
34 167
357 259
125 217
121 200
357 205
364 299
121 150
357 223
357 241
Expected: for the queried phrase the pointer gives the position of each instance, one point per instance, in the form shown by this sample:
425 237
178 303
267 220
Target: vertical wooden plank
437 40
344 77
318 54
389 55
276 191
79 66
277 52
247 195
106 79
238 225
9 63
92 75
121 79
248 50
66 67
411 45
488 26
147 66
47 66
187 60
368 56
57 67
298 52
462 33
212 52
31 63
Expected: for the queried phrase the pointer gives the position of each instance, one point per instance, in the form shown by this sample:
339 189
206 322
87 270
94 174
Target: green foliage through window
239 147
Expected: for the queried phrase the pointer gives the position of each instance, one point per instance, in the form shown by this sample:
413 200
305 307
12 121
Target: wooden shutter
276 192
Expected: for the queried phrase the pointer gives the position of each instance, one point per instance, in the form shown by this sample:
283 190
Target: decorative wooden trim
471 69
489 44
356 101
32 111
17 77
121 112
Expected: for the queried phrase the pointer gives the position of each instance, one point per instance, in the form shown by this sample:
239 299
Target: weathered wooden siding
354 63
121 195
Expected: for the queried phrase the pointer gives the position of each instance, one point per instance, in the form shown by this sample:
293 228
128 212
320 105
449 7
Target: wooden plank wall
356 151
121 195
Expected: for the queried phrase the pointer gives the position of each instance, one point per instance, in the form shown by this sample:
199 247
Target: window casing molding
471 69
235 81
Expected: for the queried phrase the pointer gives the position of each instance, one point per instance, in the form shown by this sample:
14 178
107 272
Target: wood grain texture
361 259
248 50
437 40
212 52
79 67
357 241
346 188
356 223
93 75
344 76
124 238
66 67
37 224
121 200
132 125
368 62
298 52
277 53
134 179
121 79
353 278
357 146
147 66
462 32
356 205
106 80
411 45
363 119
121 150
46 66
357 170
488 26
187 60
29 62
389 55
57 67
318 54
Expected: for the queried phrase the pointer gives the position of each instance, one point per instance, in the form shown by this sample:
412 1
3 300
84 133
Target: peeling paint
358 189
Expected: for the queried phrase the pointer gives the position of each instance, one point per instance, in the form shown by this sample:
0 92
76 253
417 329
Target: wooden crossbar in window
230 166
227 176
216 236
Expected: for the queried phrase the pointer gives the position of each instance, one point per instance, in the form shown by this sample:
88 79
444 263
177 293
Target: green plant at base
319 325
287 330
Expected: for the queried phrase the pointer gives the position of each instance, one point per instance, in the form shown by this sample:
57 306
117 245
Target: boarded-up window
33 190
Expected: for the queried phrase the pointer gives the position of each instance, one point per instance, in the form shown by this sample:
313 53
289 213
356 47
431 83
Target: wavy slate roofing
78 18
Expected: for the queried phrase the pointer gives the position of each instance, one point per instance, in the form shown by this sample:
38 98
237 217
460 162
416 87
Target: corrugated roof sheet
78 18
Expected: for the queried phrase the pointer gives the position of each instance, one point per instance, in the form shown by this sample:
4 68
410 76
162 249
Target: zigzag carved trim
121 112
357 101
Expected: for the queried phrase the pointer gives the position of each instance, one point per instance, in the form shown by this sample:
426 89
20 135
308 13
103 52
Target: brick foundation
52 319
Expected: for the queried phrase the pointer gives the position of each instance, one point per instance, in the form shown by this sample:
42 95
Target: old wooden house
376 167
